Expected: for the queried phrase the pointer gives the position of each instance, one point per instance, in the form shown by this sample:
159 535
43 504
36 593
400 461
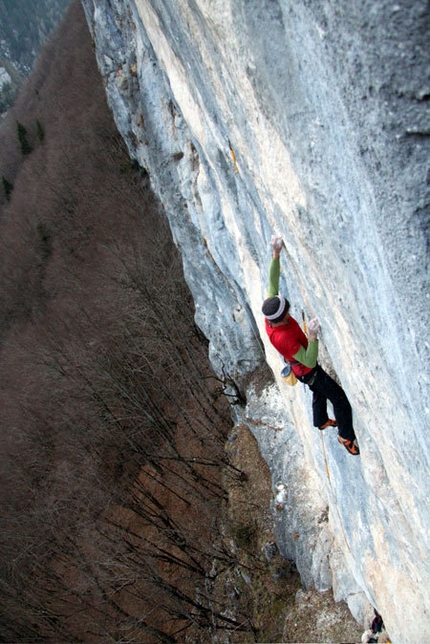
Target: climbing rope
331 487
305 328
327 471
233 156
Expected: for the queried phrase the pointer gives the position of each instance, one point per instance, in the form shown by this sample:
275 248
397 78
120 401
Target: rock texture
310 119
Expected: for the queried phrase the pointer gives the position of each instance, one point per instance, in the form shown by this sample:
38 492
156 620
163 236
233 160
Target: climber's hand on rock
277 244
313 328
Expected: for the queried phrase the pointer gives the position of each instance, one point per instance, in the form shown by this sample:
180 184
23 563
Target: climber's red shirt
288 338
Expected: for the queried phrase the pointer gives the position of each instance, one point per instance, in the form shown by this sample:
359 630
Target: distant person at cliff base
302 352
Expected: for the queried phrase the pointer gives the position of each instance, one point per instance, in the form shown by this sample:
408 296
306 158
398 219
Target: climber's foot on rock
329 423
351 446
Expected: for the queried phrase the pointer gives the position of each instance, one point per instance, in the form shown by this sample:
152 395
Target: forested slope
113 426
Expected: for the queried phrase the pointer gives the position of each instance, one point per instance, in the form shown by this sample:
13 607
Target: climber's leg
324 385
319 408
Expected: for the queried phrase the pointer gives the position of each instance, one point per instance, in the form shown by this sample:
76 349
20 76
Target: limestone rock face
309 119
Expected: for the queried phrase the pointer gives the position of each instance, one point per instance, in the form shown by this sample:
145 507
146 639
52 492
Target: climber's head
275 308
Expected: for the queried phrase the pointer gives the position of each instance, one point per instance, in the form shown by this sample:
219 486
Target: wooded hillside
117 489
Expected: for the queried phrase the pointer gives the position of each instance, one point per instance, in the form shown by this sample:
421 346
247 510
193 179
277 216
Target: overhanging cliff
309 119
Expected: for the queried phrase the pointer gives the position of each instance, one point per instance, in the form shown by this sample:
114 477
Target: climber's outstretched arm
275 266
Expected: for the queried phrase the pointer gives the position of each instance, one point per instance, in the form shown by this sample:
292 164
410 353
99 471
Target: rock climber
302 353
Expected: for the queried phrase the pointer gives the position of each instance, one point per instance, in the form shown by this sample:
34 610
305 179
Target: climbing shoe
351 446
329 423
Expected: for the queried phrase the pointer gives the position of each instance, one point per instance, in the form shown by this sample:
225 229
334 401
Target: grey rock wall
325 105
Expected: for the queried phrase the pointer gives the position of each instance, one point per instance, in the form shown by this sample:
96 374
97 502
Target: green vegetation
7 187
45 241
40 131
7 97
23 140
245 535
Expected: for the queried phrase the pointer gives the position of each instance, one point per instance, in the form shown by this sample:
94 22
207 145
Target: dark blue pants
324 388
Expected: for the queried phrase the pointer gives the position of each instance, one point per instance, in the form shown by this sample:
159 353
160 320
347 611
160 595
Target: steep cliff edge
310 119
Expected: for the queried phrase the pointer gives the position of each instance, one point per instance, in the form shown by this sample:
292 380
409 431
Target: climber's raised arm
275 266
